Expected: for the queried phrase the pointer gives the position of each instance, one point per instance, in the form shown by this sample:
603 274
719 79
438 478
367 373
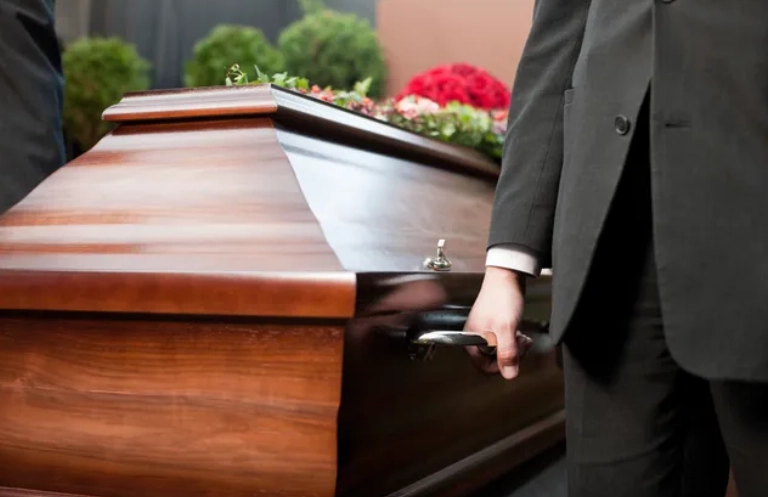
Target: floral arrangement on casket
453 122
462 83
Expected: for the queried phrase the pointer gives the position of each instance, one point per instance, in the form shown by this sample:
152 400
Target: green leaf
363 87
282 79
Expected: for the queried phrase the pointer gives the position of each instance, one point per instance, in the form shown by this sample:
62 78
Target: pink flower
409 114
416 106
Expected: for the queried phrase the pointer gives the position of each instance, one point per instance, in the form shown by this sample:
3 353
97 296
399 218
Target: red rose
458 82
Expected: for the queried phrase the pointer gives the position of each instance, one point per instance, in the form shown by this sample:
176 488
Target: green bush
98 72
333 49
226 45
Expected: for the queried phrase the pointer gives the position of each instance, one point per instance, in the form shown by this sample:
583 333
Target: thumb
507 352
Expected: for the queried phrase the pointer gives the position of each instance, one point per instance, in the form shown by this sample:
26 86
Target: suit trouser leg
638 425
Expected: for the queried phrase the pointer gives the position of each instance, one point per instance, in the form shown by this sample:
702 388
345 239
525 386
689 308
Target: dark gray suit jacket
31 96
581 81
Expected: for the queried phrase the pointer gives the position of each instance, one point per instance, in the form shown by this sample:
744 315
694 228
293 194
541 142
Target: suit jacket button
622 125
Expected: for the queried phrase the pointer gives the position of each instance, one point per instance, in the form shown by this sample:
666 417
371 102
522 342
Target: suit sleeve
526 193
31 98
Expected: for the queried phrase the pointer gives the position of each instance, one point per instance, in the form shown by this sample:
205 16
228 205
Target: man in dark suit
31 97
636 164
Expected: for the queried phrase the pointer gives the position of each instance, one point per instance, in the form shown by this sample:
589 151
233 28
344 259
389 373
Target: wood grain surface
181 307
286 294
191 103
178 217
126 407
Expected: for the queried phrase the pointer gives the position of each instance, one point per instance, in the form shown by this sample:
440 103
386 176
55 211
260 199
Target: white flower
414 104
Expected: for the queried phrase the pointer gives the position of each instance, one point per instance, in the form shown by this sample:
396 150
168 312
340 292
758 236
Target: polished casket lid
250 201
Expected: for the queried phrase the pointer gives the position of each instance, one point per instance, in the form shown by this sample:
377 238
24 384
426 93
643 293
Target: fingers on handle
524 345
484 362
507 353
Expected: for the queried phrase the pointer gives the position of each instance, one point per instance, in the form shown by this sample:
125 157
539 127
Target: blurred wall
72 19
420 34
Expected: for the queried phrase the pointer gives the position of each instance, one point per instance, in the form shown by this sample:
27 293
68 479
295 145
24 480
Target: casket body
207 304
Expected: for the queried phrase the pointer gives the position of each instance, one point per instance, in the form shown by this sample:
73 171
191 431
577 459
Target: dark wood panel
385 214
331 123
468 476
18 492
732 492
402 421
120 408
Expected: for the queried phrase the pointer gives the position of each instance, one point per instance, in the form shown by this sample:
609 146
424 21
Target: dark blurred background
164 31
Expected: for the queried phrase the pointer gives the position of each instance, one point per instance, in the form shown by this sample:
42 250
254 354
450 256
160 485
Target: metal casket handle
445 327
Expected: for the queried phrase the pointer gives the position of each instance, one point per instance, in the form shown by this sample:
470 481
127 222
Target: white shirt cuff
515 258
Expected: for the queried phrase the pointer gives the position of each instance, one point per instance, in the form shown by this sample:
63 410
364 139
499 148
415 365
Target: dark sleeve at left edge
31 98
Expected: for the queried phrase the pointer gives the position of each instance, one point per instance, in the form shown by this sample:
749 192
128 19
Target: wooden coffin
217 300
